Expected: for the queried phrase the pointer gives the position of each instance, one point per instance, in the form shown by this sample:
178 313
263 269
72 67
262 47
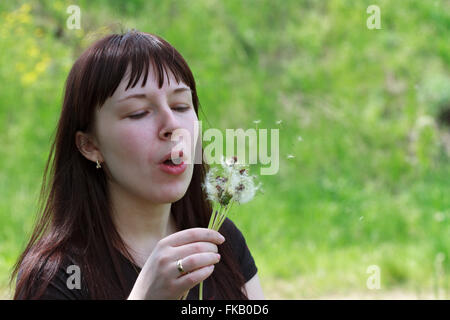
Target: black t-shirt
59 290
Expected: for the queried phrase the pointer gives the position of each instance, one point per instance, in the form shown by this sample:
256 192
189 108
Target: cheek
193 128
132 141
128 144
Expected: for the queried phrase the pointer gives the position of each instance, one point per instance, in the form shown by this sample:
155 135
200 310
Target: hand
160 277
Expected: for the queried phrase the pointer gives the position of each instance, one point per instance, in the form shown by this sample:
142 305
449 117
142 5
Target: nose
169 123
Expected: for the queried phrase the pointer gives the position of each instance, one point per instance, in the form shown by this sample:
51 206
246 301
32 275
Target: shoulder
239 247
229 227
67 282
56 280
233 235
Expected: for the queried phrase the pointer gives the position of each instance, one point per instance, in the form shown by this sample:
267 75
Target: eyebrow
143 96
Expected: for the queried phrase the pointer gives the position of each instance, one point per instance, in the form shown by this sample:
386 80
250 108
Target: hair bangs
129 56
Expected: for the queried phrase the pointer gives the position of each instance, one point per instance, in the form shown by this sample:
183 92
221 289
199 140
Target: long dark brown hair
74 217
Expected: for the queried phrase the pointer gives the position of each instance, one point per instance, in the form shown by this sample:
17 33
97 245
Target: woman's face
134 135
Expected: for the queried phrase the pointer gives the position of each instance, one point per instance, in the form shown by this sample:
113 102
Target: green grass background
368 183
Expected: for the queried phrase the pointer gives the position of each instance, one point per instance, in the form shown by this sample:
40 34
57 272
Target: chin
171 199
171 195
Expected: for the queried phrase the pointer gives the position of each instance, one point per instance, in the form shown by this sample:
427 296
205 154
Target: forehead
151 86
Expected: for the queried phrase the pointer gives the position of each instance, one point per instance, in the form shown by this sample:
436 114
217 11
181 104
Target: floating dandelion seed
290 156
299 138
361 218
279 122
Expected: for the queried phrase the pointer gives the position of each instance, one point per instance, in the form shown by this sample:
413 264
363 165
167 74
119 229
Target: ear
88 146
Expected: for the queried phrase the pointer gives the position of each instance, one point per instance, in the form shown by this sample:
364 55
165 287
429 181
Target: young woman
115 214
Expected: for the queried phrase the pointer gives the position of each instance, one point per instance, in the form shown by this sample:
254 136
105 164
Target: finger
183 297
195 247
193 235
199 260
190 280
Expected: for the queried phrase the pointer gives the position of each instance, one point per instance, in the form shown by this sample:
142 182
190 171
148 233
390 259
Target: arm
254 290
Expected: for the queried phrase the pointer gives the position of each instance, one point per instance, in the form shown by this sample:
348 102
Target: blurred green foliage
359 112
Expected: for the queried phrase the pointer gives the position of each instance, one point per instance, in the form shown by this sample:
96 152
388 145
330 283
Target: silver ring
180 266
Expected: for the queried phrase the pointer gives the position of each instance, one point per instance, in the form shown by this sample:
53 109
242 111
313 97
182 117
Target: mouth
174 163
174 166
168 160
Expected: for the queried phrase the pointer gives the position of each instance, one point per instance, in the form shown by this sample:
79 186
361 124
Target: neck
140 224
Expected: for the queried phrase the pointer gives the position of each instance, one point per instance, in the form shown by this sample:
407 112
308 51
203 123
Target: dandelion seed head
232 183
225 198
210 185
231 161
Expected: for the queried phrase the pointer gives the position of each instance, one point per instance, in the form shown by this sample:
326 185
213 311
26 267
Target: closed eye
142 114
138 116
182 109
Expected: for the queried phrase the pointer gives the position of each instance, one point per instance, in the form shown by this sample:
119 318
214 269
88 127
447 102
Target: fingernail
218 256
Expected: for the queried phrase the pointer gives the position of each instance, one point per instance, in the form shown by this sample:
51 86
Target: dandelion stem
215 216
216 226
212 219
224 215
218 217
200 291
